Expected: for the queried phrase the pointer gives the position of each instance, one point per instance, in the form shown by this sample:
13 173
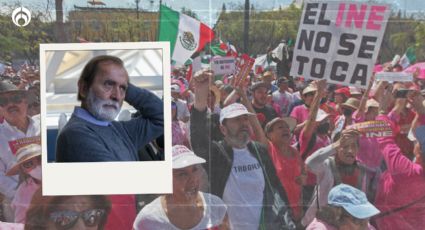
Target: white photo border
145 177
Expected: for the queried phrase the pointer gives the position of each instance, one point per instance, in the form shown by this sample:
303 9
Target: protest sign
339 41
373 128
223 65
393 76
244 65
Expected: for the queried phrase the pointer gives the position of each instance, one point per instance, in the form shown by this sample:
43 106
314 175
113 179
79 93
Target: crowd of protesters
273 152
298 139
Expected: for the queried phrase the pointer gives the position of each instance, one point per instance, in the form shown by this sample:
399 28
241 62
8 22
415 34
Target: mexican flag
185 34
408 58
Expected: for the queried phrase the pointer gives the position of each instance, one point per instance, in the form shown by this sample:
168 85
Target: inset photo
104 123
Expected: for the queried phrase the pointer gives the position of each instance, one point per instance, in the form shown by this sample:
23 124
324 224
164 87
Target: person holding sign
400 195
17 130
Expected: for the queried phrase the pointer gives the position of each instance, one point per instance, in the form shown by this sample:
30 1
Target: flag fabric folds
185 34
408 58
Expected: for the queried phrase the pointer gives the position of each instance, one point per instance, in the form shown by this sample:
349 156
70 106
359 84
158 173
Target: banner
339 41
394 76
223 65
373 128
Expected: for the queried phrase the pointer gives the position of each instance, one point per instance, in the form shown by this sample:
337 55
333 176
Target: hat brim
186 160
363 211
237 114
349 106
15 168
322 116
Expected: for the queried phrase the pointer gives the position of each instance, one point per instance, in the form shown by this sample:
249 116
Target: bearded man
91 134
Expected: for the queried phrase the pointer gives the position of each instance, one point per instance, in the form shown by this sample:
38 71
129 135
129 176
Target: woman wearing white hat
186 207
28 167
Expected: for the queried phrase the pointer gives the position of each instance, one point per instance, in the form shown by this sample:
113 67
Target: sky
207 10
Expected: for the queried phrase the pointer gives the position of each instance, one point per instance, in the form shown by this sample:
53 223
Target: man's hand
348 137
416 100
202 80
385 99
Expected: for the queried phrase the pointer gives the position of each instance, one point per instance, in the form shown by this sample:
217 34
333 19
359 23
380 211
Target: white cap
175 88
184 157
233 110
321 115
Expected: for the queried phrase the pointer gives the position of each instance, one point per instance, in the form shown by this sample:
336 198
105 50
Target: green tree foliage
267 28
23 42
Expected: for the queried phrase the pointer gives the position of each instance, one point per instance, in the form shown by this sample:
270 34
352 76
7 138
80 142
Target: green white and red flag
185 34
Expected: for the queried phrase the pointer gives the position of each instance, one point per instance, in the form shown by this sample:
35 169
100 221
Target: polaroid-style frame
143 177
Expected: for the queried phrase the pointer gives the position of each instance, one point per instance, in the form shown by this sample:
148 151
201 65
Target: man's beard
239 138
96 107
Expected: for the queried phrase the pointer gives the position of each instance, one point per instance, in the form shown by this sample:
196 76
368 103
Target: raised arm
200 127
309 126
315 162
258 130
362 106
150 122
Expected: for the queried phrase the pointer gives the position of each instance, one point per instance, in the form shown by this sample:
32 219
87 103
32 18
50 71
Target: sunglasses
15 99
66 219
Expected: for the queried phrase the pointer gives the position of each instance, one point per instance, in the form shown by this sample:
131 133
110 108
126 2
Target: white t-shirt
182 109
284 100
153 216
244 189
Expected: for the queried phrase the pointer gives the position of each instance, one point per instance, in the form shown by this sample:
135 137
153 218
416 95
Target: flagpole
246 28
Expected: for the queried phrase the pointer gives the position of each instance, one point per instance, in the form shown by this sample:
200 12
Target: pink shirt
22 199
300 112
403 182
369 152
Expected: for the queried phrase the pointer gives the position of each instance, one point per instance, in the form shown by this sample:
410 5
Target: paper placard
244 66
394 76
339 41
223 65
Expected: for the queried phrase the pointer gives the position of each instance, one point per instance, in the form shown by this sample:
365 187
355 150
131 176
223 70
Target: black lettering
309 12
365 46
322 20
305 39
327 38
343 42
360 74
302 60
317 62
342 66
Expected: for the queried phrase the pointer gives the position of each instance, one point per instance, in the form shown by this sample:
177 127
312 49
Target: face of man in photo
107 92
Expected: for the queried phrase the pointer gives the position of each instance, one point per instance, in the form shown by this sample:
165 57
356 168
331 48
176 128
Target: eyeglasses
15 99
66 219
